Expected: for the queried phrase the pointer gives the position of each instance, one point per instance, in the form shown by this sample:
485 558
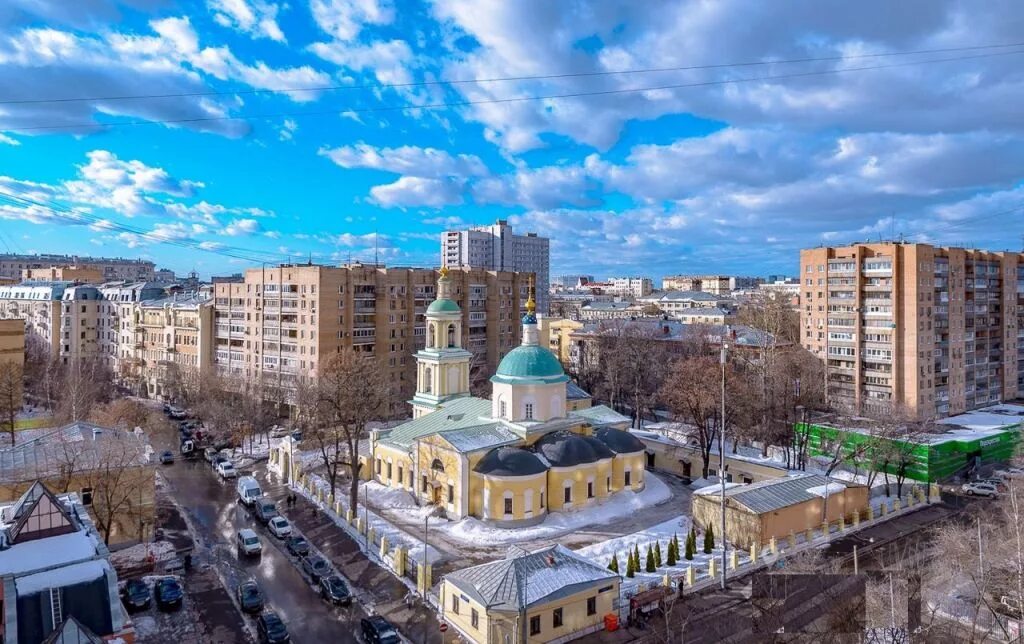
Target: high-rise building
631 286
116 268
496 248
715 284
281 321
931 331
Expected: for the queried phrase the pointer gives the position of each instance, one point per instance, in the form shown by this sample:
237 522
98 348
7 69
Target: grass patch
33 423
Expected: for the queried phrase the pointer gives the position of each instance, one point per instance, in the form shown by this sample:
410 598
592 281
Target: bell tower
442 366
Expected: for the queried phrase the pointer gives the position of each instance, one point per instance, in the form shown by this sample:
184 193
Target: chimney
551 560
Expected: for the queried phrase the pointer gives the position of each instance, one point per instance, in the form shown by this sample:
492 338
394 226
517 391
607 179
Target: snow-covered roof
22 558
78 573
44 456
774 494
600 415
988 419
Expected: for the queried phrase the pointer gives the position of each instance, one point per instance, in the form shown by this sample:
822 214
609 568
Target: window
568 494
591 605
455 604
542 499
535 625
401 474
389 471
451 493
529 411
556 618
425 484
590 489
504 409
86 496
627 474
508 505
474 618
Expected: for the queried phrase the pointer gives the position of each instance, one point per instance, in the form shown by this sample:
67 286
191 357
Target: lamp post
426 559
801 435
724 356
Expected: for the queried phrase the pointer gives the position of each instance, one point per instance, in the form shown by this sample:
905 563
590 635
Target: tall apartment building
631 286
39 305
497 248
113 268
172 334
714 284
932 330
281 321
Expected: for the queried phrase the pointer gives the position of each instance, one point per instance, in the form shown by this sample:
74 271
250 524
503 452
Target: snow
602 552
715 488
61 577
46 553
826 490
471 530
141 553
987 421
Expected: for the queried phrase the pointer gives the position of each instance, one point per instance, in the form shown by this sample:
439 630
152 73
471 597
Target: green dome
529 362
443 306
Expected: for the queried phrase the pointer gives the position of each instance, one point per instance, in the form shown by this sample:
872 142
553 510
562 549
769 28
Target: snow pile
715 488
602 552
382 496
826 490
142 553
621 504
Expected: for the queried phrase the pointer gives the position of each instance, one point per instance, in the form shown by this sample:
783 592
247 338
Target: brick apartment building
284 320
931 330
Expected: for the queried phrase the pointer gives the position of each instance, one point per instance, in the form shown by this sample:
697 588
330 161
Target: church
514 458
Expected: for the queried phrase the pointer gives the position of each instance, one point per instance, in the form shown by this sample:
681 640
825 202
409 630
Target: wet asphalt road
216 516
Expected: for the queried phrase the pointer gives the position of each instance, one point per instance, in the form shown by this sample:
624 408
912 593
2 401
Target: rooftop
575 392
775 494
459 413
527 578
89 445
600 415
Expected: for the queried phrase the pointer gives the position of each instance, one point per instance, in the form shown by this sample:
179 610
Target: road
215 516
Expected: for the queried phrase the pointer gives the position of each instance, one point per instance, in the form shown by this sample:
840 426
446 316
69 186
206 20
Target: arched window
437 465
451 335
428 379
430 336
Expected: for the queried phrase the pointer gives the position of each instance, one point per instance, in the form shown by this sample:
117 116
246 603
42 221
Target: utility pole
721 460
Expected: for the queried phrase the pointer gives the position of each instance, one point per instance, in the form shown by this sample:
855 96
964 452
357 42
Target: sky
648 138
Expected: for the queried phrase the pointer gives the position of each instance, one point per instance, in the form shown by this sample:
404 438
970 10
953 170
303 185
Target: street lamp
723 359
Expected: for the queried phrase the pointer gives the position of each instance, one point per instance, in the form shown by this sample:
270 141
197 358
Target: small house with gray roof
511 459
546 595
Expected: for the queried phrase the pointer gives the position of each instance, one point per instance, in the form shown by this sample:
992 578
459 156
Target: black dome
619 441
509 461
566 449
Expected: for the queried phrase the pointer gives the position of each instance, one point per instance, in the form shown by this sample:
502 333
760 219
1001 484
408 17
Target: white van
248 542
248 490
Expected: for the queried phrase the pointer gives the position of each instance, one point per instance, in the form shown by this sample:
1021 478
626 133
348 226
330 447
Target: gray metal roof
88 445
575 392
775 494
527 579
485 436
510 461
563 448
460 413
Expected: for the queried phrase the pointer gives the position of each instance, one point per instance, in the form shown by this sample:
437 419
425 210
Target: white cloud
288 129
344 19
257 18
419 191
388 60
539 188
406 160
6 140
241 227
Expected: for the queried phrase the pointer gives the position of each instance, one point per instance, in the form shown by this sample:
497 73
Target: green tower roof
443 306
529 364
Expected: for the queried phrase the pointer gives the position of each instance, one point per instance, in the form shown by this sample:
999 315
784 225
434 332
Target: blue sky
734 173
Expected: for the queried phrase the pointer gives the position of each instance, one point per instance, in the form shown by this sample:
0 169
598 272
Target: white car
280 527
248 542
226 470
1010 473
979 489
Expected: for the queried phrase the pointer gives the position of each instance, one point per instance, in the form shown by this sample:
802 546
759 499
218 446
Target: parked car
334 590
271 629
264 510
250 597
210 454
226 470
377 630
979 489
136 595
998 484
298 546
316 567
248 542
1009 473
279 527
167 458
177 413
248 489
169 594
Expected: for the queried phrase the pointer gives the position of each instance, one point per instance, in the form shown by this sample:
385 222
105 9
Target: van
248 490
248 542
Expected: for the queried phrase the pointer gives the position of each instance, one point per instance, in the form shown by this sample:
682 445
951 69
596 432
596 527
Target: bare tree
86 383
11 395
352 390
115 472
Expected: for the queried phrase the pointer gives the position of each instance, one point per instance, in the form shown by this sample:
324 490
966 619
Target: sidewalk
420 624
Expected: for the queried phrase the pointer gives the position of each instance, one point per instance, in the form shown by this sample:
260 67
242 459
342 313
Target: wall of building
81 274
526 492
674 458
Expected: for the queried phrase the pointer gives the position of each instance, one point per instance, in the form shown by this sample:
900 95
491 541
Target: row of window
557 616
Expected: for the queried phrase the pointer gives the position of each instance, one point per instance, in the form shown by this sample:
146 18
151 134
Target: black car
271 629
250 598
334 590
136 595
377 630
298 546
169 594
167 458
316 567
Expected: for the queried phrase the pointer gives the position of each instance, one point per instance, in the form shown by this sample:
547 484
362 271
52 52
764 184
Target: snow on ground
621 504
141 553
389 498
602 552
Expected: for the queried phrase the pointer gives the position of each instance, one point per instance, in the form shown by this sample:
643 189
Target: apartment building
279 322
113 268
714 284
39 306
930 330
497 248
12 342
82 274
117 339
172 335
631 286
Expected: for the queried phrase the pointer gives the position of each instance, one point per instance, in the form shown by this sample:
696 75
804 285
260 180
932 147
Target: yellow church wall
577 478
634 463
392 467
435 448
520 489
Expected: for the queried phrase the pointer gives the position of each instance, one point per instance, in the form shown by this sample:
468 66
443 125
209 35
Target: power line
502 79
516 99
